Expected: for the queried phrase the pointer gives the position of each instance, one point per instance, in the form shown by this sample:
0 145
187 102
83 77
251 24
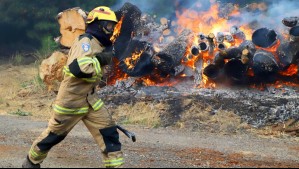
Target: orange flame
117 30
291 71
131 61
200 22
273 49
208 22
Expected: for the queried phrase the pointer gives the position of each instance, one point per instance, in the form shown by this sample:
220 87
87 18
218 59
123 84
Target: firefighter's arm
86 65
82 70
105 57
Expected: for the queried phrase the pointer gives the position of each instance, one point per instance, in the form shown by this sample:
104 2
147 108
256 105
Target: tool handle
127 133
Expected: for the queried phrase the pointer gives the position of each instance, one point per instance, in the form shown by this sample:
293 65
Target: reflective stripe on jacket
81 75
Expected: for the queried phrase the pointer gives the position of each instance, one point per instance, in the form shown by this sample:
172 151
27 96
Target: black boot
28 164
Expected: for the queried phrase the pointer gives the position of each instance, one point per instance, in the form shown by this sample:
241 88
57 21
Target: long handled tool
127 133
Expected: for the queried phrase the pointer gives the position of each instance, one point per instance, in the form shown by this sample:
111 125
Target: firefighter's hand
107 71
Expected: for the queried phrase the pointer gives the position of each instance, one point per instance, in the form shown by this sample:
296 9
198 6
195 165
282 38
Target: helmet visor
109 26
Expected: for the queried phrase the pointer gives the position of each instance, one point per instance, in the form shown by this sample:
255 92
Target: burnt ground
155 148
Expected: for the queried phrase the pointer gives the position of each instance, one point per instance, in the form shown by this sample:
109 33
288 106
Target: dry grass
205 118
270 131
141 113
21 90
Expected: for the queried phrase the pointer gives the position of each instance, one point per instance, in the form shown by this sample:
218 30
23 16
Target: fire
117 30
273 49
132 61
117 74
205 23
291 71
209 23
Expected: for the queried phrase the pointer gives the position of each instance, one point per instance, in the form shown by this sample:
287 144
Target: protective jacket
81 75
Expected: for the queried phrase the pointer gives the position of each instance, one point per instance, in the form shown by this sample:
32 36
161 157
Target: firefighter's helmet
102 13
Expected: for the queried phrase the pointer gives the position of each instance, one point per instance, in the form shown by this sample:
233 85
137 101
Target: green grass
36 84
1 101
20 113
39 84
17 59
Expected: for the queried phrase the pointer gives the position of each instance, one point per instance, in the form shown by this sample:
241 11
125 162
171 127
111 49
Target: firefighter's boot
28 164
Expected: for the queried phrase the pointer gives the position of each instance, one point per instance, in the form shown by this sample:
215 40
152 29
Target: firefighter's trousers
100 125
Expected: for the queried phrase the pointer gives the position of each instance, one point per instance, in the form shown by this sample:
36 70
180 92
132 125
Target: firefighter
77 99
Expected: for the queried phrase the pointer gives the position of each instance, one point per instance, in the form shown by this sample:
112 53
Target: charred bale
140 66
264 37
169 58
247 44
265 66
212 71
294 34
130 15
290 21
236 70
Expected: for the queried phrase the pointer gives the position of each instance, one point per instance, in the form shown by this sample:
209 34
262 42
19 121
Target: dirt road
154 148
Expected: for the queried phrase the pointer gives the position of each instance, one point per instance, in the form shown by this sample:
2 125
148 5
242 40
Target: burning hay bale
294 34
264 38
264 65
290 21
169 59
130 19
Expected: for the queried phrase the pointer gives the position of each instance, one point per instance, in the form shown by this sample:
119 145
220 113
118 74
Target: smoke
276 11
272 17
145 6
164 8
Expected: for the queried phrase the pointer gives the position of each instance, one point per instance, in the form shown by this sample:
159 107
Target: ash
256 107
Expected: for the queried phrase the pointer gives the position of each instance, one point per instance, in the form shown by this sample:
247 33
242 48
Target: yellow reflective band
62 110
114 163
84 63
114 160
90 80
67 71
36 155
98 105
85 60
97 66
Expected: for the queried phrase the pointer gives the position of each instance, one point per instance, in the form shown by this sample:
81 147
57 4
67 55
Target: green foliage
20 113
48 45
17 59
31 25
39 85
1 101
36 85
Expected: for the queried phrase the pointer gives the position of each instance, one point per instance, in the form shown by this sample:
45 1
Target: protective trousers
100 125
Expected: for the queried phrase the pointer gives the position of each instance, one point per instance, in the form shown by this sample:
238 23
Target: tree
31 24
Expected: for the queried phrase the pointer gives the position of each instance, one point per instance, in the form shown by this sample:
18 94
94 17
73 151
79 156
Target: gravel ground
155 148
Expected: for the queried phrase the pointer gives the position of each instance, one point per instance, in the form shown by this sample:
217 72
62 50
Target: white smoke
272 18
